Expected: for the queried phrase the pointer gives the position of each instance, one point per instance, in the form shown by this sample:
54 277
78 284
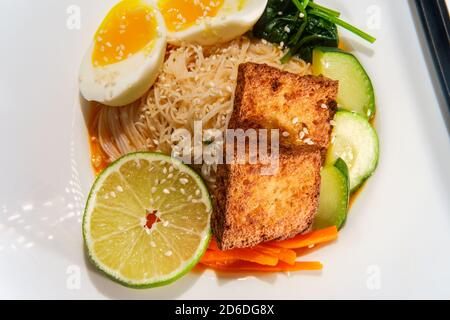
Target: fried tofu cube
251 208
301 107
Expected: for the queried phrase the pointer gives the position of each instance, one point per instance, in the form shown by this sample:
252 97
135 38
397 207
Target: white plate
395 244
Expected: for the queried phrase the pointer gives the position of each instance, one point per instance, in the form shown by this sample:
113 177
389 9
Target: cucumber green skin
342 166
341 184
153 284
370 108
373 166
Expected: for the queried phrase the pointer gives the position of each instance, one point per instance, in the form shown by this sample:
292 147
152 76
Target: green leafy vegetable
279 21
302 25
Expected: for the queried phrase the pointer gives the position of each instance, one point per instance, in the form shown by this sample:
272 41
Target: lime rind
184 268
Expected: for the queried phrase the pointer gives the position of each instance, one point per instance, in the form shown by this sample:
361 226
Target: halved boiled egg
208 22
126 55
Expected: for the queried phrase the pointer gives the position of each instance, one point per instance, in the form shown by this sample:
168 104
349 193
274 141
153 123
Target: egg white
234 19
126 81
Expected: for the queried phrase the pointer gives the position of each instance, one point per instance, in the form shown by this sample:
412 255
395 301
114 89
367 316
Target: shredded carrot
273 256
213 245
308 250
240 254
286 255
282 254
244 266
268 249
305 240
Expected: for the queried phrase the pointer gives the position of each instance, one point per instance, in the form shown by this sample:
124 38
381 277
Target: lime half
147 220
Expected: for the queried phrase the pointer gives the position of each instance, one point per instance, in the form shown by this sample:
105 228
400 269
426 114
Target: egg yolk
182 14
127 29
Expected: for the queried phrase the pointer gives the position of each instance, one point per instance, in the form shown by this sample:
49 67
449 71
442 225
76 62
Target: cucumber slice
356 142
334 197
342 166
355 87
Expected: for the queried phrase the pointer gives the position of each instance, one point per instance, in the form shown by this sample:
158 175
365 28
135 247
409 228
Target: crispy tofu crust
251 208
269 98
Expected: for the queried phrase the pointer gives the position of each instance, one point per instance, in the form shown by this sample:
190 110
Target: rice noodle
196 83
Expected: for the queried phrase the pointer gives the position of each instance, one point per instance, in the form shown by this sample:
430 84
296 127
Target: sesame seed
295 120
301 135
153 244
287 29
168 253
308 141
301 15
184 181
166 223
113 194
153 190
166 191
119 189
324 106
285 134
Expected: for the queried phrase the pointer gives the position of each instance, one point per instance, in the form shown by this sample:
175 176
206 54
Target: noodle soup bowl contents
149 216
196 84
208 22
126 54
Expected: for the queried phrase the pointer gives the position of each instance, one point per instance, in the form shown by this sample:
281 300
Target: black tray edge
436 23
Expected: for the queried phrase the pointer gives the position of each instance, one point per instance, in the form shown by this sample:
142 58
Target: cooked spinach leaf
301 25
280 19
